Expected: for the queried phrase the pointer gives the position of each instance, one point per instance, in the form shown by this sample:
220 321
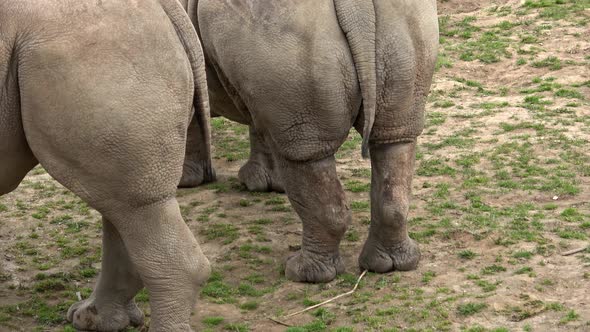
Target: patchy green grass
552 62
500 191
469 309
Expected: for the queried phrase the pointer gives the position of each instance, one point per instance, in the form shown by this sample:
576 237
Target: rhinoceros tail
357 20
188 36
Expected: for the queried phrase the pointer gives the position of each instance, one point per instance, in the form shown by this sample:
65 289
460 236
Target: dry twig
322 303
279 322
574 251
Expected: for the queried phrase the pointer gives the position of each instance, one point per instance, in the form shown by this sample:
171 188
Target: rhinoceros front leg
388 246
317 196
111 306
260 173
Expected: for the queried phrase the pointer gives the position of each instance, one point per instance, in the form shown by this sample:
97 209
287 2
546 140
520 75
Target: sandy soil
502 189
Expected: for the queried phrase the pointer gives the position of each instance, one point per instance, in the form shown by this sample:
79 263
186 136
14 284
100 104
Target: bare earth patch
502 188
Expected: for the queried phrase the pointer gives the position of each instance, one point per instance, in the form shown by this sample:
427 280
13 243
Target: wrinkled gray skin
301 74
100 93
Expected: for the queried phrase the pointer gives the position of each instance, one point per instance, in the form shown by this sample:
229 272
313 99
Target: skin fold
101 93
301 74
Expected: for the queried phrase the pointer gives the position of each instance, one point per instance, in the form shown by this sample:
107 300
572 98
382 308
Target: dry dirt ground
502 189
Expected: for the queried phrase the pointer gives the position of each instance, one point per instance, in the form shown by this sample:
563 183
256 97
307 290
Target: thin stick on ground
279 322
325 302
574 251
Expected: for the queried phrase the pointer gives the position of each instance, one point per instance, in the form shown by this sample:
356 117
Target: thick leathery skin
301 73
101 94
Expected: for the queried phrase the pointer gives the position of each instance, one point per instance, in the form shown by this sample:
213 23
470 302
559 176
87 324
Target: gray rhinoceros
301 73
100 93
